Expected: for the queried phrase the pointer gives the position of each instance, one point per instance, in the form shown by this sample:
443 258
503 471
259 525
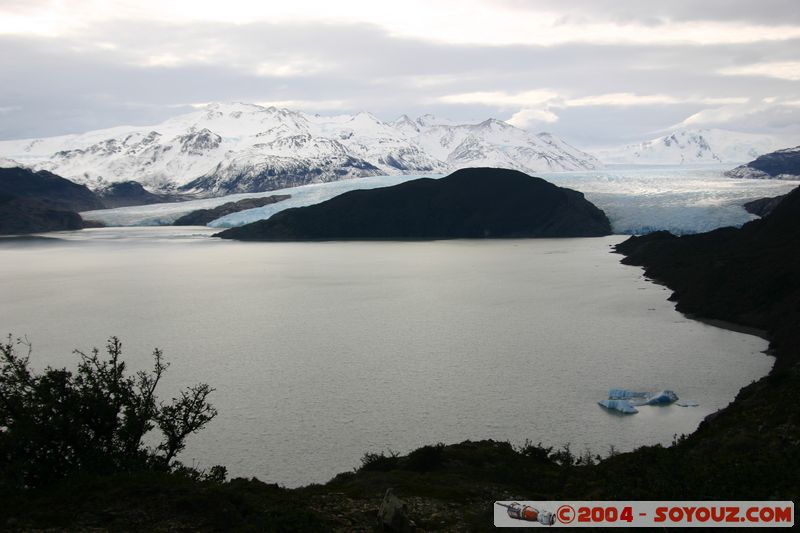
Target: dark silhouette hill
46 187
471 203
27 215
782 164
32 202
763 206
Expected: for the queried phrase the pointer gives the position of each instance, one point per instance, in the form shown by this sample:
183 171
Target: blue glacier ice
662 397
624 394
623 399
623 406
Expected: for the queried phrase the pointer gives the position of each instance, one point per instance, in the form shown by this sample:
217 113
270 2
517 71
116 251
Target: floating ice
624 400
662 397
624 394
623 406
687 403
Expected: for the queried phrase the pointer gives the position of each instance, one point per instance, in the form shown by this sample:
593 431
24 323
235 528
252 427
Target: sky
596 72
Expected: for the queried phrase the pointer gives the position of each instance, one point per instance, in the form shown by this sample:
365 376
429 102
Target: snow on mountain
232 148
693 147
9 163
781 164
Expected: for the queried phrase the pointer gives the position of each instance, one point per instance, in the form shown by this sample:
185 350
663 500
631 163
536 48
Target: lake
320 352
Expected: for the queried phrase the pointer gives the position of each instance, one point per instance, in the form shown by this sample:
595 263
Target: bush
59 423
564 456
535 451
379 462
426 458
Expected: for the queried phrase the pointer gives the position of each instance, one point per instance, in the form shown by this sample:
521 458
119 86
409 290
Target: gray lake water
321 352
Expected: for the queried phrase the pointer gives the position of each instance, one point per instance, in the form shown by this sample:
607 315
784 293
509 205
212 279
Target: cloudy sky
596 72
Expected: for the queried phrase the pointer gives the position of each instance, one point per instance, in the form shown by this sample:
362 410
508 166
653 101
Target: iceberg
623 406
626 401
661 398
624 394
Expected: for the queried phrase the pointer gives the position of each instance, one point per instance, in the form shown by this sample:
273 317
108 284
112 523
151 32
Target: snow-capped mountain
781 165
694 147
9 163
229 148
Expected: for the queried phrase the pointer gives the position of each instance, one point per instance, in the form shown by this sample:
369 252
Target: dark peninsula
763 206
748 276
201 217
472 203
33 202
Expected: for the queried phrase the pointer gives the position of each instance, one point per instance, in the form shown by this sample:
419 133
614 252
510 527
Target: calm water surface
323 351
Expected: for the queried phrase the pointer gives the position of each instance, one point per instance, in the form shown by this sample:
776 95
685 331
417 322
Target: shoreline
451 487
733 326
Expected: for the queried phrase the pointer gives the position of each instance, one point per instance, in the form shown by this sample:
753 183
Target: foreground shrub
58 423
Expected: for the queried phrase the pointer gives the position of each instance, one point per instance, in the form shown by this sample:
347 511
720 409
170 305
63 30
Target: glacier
167 213
637 200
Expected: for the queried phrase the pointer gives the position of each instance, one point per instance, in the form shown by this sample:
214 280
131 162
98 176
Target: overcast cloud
595 72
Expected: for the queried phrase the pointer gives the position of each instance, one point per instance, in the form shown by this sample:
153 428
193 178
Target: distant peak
403 119
367 115
491 122
428 120
229 107
10 163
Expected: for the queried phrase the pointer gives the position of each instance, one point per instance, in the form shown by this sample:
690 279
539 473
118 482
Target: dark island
474 203
201 217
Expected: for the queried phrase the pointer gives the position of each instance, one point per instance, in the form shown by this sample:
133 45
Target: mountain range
227 148
694 146
233 148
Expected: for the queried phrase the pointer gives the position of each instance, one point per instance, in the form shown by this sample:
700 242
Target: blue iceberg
662 398
623 406
624 394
